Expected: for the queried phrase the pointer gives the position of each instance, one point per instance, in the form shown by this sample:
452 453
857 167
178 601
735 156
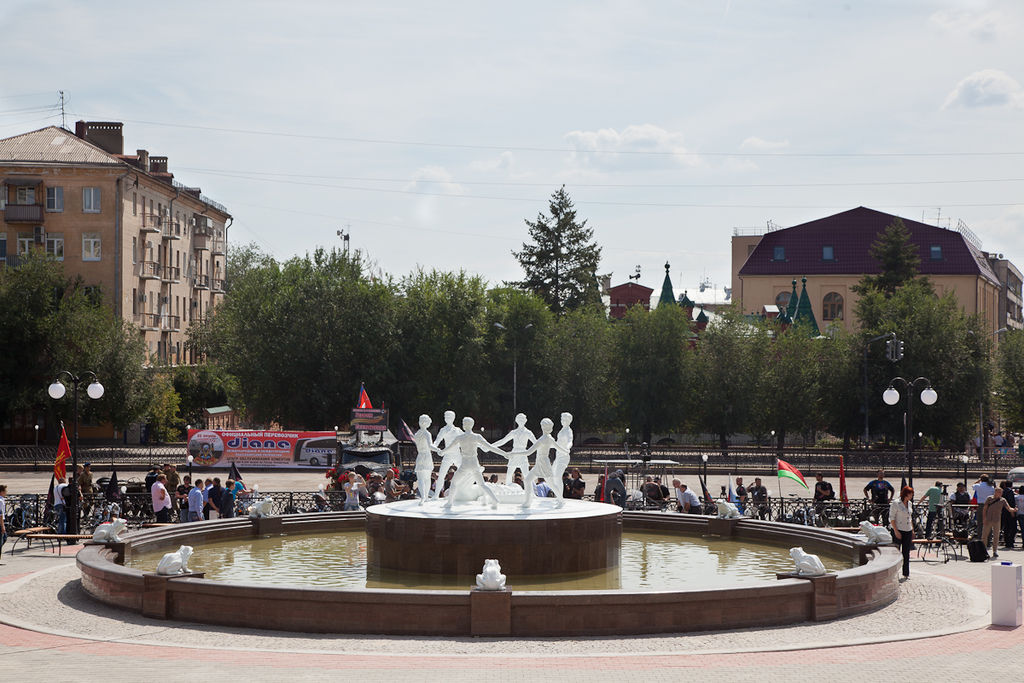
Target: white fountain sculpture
521 439
262 508
491 579
727 510
875 534
424 457
449 457
469 471
542 467
807 564
176 562
110 532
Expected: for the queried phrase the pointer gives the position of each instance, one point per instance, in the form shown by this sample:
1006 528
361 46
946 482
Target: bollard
1006 594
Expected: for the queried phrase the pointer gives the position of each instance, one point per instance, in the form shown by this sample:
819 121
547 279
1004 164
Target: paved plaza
940 624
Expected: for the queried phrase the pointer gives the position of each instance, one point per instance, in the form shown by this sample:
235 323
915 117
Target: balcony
218 247
148 270
170 323
170 230
171 274
147 321
201 282
200 242
150 222
23 213
218 284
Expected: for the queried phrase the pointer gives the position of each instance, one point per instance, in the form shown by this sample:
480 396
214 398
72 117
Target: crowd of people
175 496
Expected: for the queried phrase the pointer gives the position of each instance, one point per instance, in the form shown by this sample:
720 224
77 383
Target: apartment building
154 247
833 253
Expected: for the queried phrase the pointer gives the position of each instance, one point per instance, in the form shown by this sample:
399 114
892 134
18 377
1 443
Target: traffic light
888 349
899 350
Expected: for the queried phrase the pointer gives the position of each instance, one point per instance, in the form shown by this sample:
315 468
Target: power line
562 150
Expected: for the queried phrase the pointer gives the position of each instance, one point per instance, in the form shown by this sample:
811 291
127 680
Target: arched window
782 299
832 307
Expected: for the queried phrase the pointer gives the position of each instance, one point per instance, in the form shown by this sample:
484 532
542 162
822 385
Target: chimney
107 135
143 159
158 164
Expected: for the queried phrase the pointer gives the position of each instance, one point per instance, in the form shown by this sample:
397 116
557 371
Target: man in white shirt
687 499
542 488
195 502
161 500
59 508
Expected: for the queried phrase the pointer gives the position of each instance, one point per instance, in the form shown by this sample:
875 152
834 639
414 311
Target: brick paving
936 594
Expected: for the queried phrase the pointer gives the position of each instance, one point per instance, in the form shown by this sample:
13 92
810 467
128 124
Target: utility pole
344 235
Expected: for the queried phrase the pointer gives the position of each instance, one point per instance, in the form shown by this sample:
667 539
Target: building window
778 253
782 299
90 200
25 195
25 240
55 199
832 306
3 247
936 252
90 246
135 250
828 253
55 245
135 203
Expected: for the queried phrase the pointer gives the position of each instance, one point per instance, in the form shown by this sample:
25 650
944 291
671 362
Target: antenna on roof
63 121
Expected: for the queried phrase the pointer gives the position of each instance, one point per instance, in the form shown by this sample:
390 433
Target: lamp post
625 443
37 436
891 397
704 466
515 365
963 459
56 391
190 458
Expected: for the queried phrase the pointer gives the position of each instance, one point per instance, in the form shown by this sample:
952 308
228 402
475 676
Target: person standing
741 495
992 519
1020 511
59 507
934 498
1009 516
181 496
882 494
351 493
3 516
161 500
615 489
823 490
195 502
173 482
227 500
576 487
901 514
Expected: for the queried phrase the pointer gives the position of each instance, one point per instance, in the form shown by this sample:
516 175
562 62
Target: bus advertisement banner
254 448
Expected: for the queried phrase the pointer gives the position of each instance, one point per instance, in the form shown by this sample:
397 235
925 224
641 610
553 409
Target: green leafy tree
897 258
655 369
165 422
561 262
840 385
515 321
200 387
1011 379
726 374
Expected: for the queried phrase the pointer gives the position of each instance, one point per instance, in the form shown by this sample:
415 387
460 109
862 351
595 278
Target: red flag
604 485
842 483
364 400
63 453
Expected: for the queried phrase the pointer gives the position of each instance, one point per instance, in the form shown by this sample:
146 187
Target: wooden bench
26 535
57 538
926 544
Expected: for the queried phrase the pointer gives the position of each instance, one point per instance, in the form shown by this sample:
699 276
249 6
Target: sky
430 131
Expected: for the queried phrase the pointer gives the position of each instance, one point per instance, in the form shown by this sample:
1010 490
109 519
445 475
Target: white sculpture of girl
446 435
424 458
565 438
542 463
521 439
470 472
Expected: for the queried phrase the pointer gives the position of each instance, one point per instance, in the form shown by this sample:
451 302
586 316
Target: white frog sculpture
727 510
875 534
261 508
176 562
110 532
806 564
491 579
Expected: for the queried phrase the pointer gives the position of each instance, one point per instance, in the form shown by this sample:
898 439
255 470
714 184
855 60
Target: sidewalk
940 624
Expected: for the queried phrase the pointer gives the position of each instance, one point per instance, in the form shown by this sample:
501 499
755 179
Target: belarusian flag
63 453
787 470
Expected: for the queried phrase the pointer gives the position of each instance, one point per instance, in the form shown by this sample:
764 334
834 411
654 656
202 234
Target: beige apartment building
154 247
833 254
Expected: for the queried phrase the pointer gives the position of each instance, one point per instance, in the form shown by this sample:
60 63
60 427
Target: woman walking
901 515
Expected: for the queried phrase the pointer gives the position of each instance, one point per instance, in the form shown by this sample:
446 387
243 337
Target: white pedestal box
1006 594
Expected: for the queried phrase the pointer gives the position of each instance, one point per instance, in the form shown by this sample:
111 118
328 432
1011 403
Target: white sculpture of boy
424 457
542 463
561 460
446 435
521 438
469 472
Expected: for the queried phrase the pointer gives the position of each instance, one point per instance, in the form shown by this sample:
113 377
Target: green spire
702 317
804 314
667 297
685 302
791 308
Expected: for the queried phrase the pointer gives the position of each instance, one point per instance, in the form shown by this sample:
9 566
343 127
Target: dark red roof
631 289
850 234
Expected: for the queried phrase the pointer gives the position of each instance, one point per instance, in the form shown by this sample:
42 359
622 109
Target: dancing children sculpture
521 438
469 472
542 463
424 457
561 460
447 434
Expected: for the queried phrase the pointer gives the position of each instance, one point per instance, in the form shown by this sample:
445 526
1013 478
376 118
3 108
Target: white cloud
644 145
759 145
986 88
433 180
503 162
979 25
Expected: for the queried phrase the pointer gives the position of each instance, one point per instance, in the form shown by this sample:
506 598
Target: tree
654 367
897 260
1011 379
512 351
561 263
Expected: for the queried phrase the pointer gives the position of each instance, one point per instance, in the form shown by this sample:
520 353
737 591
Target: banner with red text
254 448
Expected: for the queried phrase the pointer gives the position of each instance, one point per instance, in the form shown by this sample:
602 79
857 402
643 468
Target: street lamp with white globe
57 390
891 396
